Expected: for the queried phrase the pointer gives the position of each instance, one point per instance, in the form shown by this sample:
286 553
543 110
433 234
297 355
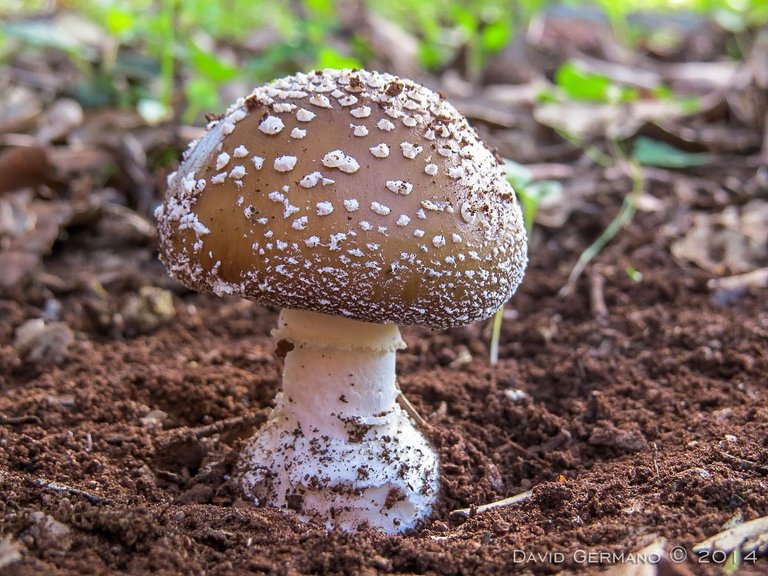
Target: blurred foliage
156 46
650 152
482 27
580 84
531 193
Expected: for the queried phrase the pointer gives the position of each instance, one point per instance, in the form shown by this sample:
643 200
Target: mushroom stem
338 448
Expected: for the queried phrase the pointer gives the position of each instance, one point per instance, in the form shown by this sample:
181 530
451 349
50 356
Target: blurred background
166 56
601 108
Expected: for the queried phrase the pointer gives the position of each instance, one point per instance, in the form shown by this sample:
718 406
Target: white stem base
337 448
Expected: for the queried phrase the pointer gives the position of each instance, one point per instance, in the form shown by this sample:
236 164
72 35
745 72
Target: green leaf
464 19
430 56
202 96
517 174
153 111
210 66
543 188
546 95
321 7
690 104
650 152
634 274
4 44
530 193
580 84
496 36
119 22
95 92
329 58
531 197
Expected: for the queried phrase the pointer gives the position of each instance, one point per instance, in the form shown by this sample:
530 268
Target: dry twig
516 499
597 294
72 491
180 434
406 405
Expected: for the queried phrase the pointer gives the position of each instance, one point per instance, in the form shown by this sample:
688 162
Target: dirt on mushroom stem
338 445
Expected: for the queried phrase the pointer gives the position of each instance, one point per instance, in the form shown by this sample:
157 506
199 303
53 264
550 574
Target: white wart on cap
351 193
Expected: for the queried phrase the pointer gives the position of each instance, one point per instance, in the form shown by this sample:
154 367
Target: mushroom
355 201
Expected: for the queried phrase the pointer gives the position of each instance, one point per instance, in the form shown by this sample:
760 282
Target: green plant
445 28
650 152
178 45
646 152
577 83
634 274
530 193
622 218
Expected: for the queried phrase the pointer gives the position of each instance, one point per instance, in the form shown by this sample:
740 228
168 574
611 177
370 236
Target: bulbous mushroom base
337 448
383 474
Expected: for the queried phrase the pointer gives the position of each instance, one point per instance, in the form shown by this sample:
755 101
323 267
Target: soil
648 421
630 411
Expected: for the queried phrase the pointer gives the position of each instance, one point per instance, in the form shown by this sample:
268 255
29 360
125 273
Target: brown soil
648 421
632 412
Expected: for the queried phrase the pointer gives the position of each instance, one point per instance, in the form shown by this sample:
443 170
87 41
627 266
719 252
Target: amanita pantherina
355 201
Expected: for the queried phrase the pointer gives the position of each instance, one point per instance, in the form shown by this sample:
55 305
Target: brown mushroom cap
351 193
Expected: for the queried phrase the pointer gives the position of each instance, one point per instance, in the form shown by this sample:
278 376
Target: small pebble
148 310
40 343
154 419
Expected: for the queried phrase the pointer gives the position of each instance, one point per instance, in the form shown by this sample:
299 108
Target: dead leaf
10 552
731 288
27 166
17 267
588 120
699 77
115 132
749 536
16 218
41 343
479 110
620 73
60 119
19 106
517 95
643 562
398 49
733 241
43 222
725 138
563 30
73 160
29 228
746 95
